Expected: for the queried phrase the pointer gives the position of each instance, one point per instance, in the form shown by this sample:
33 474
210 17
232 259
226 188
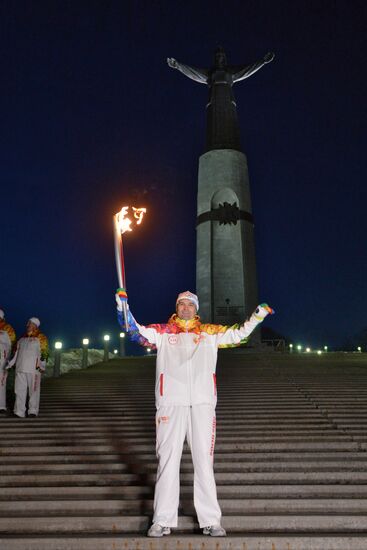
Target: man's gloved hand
120 296
262 311
41 366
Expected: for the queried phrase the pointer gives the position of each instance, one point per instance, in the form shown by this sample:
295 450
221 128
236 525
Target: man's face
31 327
186 310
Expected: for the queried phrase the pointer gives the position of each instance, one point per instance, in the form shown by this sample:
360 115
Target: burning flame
138 214
124 223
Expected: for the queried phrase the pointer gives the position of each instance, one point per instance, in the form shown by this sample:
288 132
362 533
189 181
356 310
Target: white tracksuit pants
3 378
198 425
31 383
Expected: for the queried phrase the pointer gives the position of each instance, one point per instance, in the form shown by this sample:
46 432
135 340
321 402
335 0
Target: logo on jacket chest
173 339
199 338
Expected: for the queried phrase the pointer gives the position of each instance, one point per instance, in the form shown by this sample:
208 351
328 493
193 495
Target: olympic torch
122 224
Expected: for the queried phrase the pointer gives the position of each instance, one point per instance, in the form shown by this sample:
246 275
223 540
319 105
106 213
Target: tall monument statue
222 122
226 280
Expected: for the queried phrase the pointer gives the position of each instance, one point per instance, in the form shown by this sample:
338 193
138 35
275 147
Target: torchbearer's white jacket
187 357
7 340
31 353
5 347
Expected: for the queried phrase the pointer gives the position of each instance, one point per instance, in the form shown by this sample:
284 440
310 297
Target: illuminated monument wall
226 279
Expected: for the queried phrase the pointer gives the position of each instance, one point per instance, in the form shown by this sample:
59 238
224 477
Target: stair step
186 467
234 457
105 507
298 491
243 523
149 441
220 447
187 542
55 480
223 433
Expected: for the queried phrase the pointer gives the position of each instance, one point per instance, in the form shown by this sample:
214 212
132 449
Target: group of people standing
29 356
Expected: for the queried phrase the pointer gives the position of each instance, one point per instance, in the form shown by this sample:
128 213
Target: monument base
226 280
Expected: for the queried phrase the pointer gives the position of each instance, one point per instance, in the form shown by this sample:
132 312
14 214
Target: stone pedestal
226 280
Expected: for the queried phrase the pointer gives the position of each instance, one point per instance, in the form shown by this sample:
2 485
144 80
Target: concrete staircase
291 459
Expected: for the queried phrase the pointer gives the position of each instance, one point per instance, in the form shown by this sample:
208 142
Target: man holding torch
186 396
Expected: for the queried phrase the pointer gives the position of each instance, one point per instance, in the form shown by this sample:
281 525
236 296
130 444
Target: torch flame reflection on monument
122 224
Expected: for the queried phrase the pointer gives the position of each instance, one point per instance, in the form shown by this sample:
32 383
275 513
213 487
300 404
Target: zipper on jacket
189 364
161 385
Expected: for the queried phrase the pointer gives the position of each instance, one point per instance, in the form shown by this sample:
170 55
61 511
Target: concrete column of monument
226 280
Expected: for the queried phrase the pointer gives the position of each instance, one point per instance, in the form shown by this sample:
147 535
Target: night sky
93 118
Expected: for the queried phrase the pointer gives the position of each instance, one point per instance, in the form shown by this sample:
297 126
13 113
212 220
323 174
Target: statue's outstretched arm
240 73
199 75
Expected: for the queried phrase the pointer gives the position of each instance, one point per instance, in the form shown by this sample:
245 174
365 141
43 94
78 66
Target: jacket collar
193 325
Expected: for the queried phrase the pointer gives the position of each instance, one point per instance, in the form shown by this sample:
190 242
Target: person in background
7 344
29 359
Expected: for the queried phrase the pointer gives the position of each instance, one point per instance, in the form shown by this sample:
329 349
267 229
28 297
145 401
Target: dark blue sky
93 118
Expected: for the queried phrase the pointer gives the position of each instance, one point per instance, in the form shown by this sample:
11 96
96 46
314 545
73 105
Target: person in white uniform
7 343
30 362
186 396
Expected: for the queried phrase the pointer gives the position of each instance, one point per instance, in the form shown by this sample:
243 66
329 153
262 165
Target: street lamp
122 344
290 348
299 348
308 350
359 349
85 343
57 361
325 348
106 339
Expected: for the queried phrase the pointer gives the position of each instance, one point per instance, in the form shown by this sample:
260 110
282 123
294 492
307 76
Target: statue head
220 58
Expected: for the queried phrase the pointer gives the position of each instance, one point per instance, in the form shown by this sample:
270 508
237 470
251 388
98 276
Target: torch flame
124 223
138 214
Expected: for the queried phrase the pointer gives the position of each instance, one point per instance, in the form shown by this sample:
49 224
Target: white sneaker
214 531
157 530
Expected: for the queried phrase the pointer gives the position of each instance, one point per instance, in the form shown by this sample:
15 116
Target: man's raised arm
147 333
236 335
